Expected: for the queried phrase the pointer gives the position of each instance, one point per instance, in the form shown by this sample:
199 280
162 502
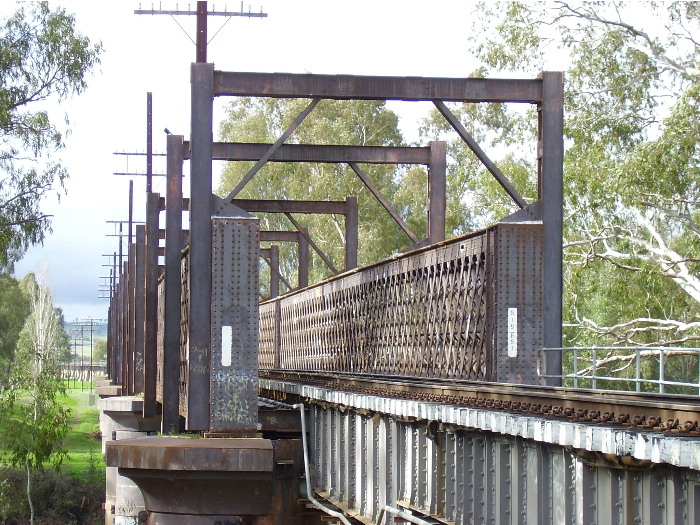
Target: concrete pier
121 418
187 481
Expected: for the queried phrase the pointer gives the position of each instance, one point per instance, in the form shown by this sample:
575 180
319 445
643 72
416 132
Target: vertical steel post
131 279
173 256
124 328
200 246
437 188
274 271
139 308
551 134
201 32
131 212
303 247
149 142
150 363
110 340
351 233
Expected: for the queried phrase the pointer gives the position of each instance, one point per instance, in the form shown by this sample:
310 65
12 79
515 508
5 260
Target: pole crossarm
353 87
176 12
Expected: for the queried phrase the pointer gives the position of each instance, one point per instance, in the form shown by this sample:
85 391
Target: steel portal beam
352 87
271 206
238 151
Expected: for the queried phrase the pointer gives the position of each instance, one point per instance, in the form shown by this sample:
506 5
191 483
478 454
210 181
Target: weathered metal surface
422 314
211 455
352 229
160 347
518 303
474 466
139 308
469 308
288 206
655 413
199 322
377 88
200 481
184 355
131 319
235 151
437 190
234 325
550 173
151 308
170 372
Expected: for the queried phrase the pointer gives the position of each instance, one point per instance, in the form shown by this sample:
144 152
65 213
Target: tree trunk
29 489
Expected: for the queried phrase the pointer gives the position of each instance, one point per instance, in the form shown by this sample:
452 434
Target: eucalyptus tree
364 123
33 421
632 162
42 57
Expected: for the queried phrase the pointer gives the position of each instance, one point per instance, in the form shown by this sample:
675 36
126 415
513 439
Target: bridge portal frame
546 92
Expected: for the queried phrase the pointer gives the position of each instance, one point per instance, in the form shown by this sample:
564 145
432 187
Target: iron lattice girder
238 151
353 87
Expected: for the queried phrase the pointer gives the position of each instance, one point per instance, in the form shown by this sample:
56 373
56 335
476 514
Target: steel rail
678 414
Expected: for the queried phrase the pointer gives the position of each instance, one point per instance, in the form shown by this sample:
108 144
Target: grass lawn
85 460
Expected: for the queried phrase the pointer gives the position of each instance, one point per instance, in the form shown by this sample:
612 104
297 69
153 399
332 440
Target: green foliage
33 422
42 57
14 309
631 165
331 122
99 350
59 499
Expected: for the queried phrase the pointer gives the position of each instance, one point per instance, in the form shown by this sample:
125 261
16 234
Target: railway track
675 414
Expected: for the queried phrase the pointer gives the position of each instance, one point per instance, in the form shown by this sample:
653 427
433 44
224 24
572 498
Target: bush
58 499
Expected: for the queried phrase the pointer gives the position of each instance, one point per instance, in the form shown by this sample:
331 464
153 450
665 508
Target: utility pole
202 14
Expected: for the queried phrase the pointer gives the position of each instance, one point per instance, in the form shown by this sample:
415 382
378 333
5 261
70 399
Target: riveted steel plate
234 326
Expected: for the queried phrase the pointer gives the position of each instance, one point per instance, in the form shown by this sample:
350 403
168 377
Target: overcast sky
153 53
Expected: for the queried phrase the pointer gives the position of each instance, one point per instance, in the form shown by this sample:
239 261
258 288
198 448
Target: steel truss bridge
412 390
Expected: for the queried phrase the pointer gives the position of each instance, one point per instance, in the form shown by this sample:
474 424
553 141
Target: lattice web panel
159 344
266 358
422 315
184 324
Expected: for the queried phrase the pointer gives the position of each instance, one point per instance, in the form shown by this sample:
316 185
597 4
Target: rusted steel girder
353 87
173 255
551 194
139 308
237 151
151 308
200 244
